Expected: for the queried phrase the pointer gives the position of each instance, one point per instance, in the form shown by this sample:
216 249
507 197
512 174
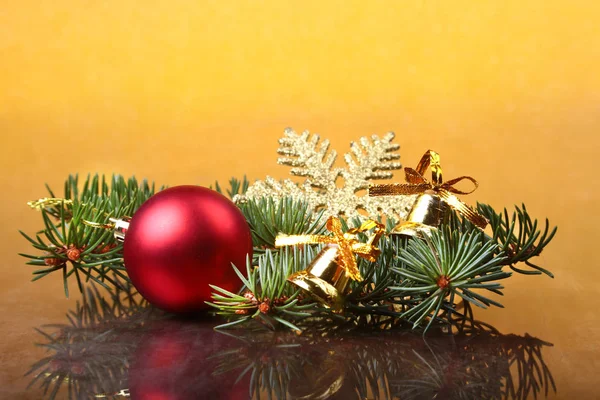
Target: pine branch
519 238
449 264
371 300
236 187
267 297
72 247
414 280
268 217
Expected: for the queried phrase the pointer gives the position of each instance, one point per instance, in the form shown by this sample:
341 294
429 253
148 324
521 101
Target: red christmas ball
181 240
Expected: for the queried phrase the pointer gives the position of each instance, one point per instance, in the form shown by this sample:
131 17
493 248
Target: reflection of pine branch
477 363
533 375
89 354
370 373
271 361
473 366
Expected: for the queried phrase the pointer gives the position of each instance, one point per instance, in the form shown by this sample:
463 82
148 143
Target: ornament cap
120 227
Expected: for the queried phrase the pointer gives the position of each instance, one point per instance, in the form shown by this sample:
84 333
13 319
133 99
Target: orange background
193 91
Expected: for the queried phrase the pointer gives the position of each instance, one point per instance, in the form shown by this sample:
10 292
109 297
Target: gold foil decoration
328 276
430 208
48 202
119 226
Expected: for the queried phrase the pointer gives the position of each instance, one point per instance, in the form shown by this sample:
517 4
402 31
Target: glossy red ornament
181 240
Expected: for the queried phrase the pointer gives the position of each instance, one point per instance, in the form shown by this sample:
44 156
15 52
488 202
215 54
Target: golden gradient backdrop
183 91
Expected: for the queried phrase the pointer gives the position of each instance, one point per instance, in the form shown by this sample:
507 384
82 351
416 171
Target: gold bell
428 213
328 276
324 279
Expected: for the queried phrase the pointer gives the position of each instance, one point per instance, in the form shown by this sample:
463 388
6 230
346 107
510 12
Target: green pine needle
447 263
267 295
268 217
99 255
518 236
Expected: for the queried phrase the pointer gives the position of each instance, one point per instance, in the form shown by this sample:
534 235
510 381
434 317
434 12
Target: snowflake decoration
368 160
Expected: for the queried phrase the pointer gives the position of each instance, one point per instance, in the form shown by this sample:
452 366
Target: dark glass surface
117 347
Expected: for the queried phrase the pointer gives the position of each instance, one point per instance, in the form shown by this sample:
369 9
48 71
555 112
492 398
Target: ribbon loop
418 184
431 159
449 185
348 243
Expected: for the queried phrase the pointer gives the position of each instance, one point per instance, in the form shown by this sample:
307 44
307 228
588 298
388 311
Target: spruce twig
447 265
268 217
519 237
67 244
267 297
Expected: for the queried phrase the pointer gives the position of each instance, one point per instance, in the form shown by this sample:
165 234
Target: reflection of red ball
181 240
176 360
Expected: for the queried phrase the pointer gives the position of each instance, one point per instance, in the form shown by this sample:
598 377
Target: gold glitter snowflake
367 160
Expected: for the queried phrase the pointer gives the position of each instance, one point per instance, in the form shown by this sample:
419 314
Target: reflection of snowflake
368 159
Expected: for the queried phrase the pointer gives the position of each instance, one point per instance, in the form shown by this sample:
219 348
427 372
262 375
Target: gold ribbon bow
348 243
418 184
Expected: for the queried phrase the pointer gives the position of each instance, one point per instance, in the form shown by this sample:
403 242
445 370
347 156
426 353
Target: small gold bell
324 279
428 213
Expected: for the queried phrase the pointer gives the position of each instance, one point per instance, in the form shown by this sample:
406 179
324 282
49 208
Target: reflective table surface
116 347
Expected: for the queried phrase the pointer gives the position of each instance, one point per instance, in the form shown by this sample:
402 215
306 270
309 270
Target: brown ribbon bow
348 243
418 184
